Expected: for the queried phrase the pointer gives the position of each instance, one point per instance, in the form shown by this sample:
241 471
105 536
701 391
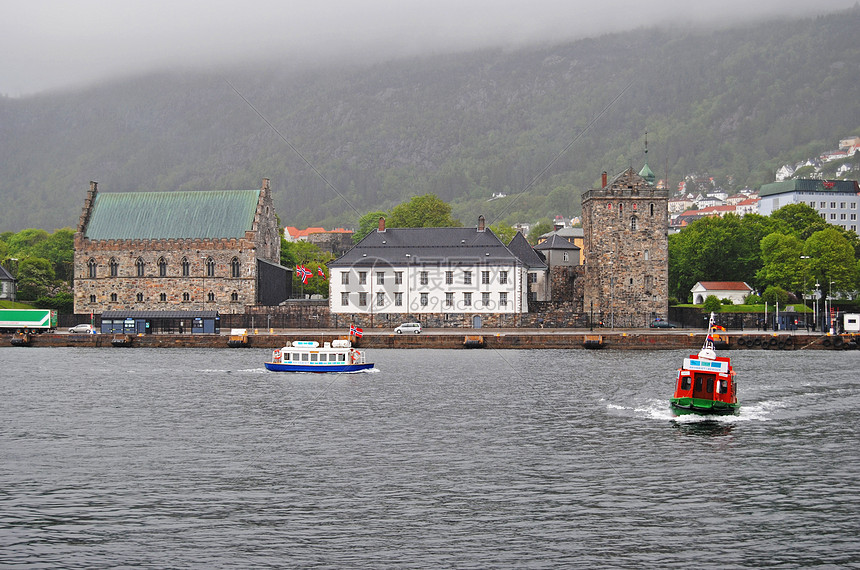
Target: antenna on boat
708 347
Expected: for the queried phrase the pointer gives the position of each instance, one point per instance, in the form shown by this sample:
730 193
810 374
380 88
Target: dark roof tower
646 172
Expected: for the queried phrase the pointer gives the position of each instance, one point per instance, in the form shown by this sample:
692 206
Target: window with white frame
380 278
467 277
467 299
485 277
398 299
449 299
503 299
423 278
398 278
344 277
485 299
380 299
449 277
503 277
362 277
344 299
362 299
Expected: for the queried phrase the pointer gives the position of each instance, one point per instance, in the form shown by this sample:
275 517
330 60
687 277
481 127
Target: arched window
92 298
652 209
162 297
633 223
162 267
139 265
91 268
647 255
186 296
620 209
235 268
113 297
211 296
114 267
210 267
186 267
140 297
234 296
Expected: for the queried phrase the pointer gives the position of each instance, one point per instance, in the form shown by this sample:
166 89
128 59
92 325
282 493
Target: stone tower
625 227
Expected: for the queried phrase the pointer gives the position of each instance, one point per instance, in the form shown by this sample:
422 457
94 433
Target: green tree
781 262
542 227
35 278
366 224
427 211
801 219
504 232
774 295
59 249
832 258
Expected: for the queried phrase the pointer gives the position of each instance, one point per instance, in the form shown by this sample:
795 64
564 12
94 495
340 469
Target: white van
408 328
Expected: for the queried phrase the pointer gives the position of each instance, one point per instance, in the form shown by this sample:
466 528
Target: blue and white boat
309 356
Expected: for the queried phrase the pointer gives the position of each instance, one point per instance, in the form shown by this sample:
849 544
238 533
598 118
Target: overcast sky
51 44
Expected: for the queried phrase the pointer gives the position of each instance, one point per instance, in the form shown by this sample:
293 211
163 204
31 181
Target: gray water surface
438 458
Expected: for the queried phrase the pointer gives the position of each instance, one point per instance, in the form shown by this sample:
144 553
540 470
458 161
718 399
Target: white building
737 291
836 201
429 271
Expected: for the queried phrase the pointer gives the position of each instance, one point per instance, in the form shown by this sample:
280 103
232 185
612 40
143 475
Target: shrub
774 295
726 302
712 304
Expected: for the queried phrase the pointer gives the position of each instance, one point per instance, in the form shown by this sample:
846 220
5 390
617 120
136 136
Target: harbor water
437 459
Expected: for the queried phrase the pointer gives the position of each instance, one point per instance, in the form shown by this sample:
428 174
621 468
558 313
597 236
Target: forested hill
538 125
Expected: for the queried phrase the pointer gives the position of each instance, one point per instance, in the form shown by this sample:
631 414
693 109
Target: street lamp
14 279
805 315
815 305
830 312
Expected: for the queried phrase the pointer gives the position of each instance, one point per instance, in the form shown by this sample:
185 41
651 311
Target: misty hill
538 125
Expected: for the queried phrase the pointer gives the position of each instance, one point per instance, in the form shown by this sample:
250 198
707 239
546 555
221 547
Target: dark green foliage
774 295
735 103
712 304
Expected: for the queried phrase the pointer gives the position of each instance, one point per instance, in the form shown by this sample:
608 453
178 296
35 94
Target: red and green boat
706 382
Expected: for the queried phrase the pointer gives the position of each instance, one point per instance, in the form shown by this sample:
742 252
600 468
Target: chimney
604 180
381 224
480 223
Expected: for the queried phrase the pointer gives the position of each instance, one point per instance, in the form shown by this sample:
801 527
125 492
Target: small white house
737 291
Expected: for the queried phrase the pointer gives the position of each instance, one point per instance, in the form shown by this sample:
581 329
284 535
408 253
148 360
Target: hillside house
736 291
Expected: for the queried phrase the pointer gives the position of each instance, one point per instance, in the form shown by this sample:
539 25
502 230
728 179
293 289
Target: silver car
408 328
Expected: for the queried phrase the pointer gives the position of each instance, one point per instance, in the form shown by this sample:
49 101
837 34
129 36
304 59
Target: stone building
178 251
626 248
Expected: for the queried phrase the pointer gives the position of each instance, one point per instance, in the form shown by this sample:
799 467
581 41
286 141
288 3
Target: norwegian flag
355 331
303 273
320 272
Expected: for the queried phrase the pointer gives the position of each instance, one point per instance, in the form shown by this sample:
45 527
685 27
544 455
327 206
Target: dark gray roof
809 185
556 242
423 246
5 275
158 314
520 247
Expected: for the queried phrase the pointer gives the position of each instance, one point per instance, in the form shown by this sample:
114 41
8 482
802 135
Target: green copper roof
177 215
647 174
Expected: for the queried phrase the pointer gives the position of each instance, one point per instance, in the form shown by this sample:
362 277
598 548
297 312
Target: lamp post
830 312
14 279
815 305
805 316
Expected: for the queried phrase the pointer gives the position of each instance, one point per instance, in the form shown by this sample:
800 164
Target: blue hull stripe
317 367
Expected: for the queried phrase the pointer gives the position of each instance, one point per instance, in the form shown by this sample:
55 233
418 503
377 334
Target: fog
56 44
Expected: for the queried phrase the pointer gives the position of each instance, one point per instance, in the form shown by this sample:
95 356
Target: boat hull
319 368
703 407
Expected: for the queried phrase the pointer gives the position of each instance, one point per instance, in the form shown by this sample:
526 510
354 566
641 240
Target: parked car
408 328
661 324
82 328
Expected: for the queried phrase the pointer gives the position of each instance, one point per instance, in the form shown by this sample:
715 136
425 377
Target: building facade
836 201
626 248
187 251
447 272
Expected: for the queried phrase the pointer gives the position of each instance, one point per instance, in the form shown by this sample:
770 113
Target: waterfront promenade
632 339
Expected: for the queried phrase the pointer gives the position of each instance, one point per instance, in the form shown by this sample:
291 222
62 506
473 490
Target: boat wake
659 409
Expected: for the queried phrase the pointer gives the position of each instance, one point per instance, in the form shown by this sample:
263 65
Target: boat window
709 387
296 356
698 383
313 357
341 357
685 383
304 357
722 386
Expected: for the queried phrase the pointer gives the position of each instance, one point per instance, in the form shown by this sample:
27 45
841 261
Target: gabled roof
177 215
5 275
555 242
723 286
520 247
423 246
